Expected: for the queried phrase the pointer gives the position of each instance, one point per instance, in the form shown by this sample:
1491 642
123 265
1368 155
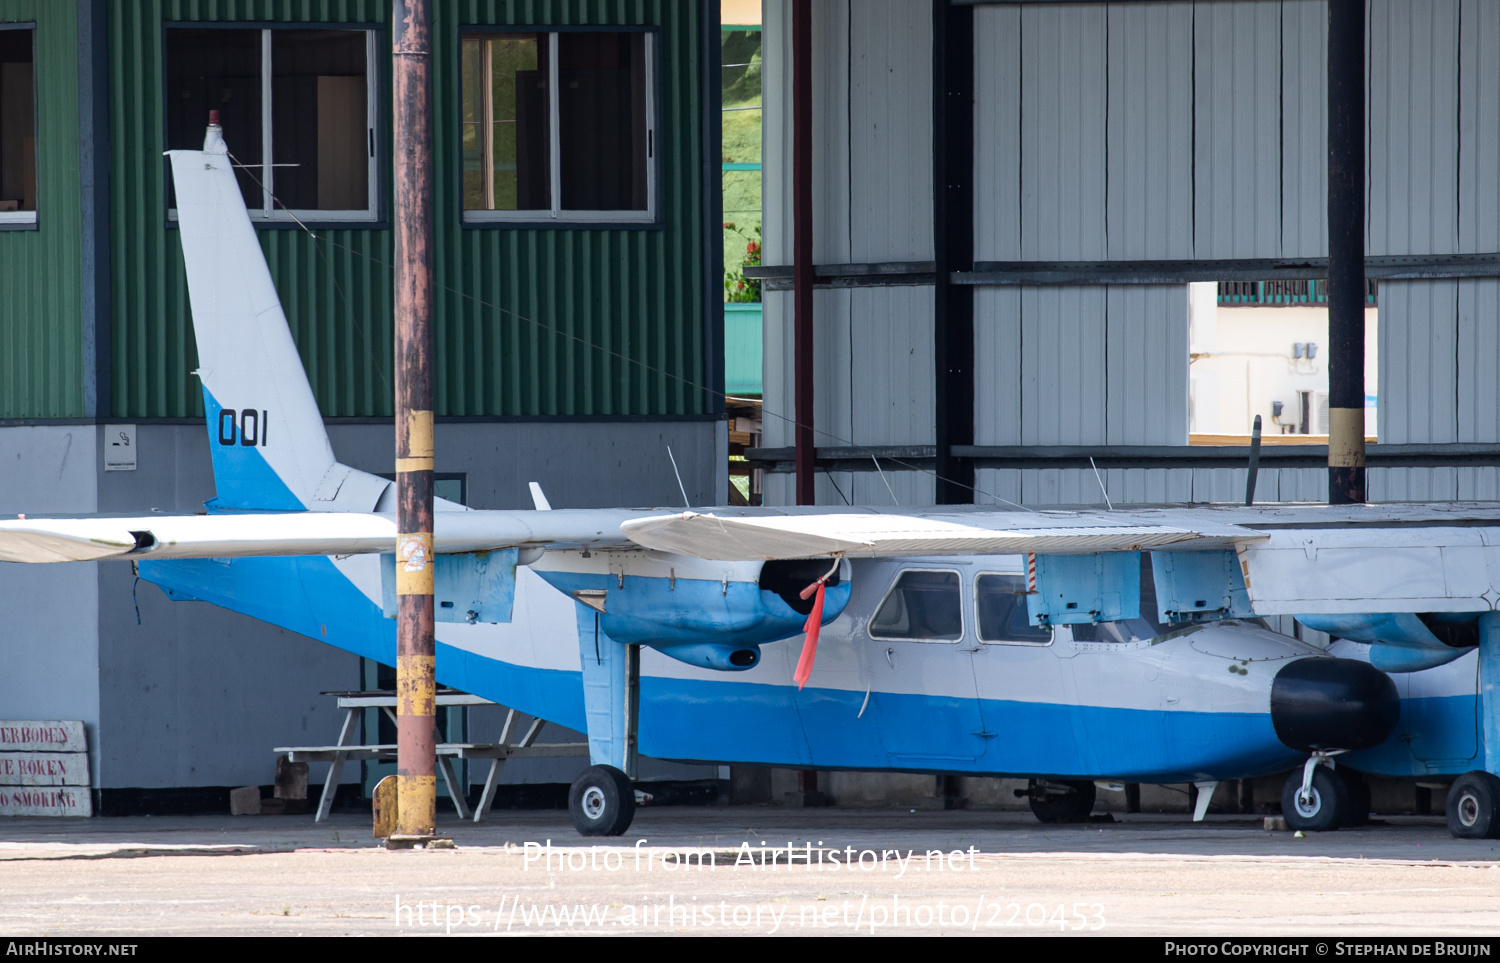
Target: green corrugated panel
742 349
574 321
41 317
528 322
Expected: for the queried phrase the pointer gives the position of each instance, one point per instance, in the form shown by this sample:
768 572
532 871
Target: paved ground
1143 875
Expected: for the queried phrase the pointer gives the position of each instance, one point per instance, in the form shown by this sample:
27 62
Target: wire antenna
1100 479
680 486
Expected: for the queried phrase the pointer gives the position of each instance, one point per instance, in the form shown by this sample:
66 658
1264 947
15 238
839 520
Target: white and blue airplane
1039 645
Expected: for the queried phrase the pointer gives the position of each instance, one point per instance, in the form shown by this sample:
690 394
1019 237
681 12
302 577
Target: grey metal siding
1479 127
1413 127
1237 106
1304 120
997 125
1063 107
890 131
1150 131
1418 361
1147 364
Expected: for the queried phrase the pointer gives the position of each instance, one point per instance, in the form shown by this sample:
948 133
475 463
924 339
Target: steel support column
416 695
1346 251
802 254
953 245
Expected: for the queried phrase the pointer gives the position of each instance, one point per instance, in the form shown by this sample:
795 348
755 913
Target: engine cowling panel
716 624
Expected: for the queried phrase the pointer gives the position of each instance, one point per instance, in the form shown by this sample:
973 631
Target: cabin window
296 109
557 127
17 127
1000 603
921 607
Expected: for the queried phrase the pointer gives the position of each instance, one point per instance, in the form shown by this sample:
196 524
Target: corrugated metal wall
1236 144
1413 127
1304 122
1150 209
872 183
1063 107
1165 130
42 361
556 322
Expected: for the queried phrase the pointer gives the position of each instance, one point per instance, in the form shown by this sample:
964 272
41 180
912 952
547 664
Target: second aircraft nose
1333 704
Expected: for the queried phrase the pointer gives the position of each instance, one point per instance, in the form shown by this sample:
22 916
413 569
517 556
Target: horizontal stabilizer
296 533
741 539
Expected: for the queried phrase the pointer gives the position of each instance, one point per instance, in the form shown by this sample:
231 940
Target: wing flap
1348 571
887 536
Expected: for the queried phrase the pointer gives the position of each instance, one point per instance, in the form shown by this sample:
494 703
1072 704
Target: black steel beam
711 83
899 273
802 256
924 457
953 247
1346 251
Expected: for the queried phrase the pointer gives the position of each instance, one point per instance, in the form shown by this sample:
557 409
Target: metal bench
354 703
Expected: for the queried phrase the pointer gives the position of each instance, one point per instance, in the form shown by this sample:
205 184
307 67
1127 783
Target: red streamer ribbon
811 627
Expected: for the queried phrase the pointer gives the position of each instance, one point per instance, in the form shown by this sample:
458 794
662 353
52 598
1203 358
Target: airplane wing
730 538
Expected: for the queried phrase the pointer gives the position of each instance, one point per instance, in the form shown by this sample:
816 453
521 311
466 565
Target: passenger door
919 655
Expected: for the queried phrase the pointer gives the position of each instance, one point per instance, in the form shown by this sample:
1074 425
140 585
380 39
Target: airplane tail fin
270 449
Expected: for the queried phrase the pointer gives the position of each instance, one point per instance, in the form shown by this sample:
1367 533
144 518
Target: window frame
963 621
979 632
270 214
28 220
651 217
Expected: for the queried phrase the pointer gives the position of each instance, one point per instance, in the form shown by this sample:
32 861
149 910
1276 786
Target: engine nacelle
716 624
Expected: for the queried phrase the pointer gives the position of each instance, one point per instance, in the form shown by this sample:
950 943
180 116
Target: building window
558 127
297 113
17 127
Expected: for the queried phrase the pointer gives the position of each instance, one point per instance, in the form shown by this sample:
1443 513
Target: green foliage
739 289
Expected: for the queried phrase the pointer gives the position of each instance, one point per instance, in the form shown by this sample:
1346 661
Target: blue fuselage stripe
778 725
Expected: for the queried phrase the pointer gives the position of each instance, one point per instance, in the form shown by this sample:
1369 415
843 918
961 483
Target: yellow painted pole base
384 806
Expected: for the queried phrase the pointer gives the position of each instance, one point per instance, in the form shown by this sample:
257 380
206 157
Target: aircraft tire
1359 797
1070 807
1329 806
1474 806
601 802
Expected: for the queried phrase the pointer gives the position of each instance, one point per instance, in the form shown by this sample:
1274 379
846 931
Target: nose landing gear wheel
1326 806
1474 806
601 802
1061 802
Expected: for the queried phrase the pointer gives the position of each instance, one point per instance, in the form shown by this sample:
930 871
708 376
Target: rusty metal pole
802 255
802 291
416 686
1346 251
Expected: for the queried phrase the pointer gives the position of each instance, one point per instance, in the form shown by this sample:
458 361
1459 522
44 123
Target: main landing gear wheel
1474 806
1061 802
1326 806
601 802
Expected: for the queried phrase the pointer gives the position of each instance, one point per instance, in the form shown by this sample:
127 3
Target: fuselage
1189 704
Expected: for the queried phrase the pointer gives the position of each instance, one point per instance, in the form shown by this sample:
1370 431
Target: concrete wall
49 648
